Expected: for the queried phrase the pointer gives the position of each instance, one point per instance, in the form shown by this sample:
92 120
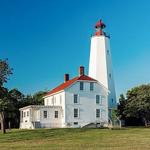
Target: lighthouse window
112 100
109 75
108 52
91 86
81 86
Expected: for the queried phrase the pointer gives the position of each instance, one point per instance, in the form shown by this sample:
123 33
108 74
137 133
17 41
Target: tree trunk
9 125
2 118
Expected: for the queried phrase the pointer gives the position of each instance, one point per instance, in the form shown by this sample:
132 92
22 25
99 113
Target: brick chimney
66 77
81 71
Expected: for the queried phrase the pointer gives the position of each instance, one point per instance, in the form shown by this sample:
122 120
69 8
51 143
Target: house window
76 113
75 98
91 86
56 114
97 113
45 114
24 114
75 123
27 113
103 99
97 99
81 86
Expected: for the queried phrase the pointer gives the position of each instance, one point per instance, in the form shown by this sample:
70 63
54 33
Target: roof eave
53 93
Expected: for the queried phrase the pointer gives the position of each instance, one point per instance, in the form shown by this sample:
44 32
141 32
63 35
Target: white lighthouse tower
100 65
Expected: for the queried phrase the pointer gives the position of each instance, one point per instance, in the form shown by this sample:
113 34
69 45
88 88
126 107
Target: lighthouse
100 64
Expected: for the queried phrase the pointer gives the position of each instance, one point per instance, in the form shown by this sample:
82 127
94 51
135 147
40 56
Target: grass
76 139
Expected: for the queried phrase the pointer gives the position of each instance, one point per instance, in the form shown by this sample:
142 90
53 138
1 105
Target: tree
5 71
38 97
11 101
136 105
115 119
5 104
121 107
35 99
16 98
16 94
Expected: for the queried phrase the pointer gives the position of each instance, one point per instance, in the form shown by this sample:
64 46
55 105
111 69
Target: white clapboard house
75 103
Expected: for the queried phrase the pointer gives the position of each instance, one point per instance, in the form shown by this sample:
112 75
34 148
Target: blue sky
43 39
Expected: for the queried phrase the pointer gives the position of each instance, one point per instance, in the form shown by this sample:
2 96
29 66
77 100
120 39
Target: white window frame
56 115
24 114
46 101
100 99
77 98
99 113
75 123
55 100
74 113
103 99
27 113
52 100
45 116
80 85
92 83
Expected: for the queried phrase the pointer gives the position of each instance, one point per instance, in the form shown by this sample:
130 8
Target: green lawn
77 139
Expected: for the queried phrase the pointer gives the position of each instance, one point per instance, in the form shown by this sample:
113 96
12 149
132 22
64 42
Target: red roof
100 24
98 33
69 83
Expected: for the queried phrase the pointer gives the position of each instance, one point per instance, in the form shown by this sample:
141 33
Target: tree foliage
5 103
20 100
121 107
136 104
13 100
39 97
6 106
5 71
